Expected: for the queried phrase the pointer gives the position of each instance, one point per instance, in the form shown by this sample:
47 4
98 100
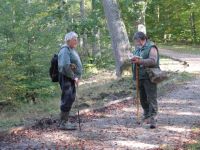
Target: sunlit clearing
135 144
176 129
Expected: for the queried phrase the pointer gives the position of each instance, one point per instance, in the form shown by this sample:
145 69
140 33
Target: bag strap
65 46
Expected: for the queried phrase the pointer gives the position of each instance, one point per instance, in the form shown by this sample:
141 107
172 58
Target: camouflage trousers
148 98
68 95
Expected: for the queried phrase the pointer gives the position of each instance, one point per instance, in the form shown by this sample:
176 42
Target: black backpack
53 70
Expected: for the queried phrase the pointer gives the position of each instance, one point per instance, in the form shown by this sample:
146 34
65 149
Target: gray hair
70 36
139 36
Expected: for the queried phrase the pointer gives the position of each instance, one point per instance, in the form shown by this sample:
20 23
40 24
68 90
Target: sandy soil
191 62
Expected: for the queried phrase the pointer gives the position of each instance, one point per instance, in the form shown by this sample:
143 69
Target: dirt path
188 59
115 127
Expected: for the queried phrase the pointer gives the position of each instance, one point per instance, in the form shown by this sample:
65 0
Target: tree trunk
143 5
117 30
96 33
83 37
158 13
96 43
193 28
141 23
82 9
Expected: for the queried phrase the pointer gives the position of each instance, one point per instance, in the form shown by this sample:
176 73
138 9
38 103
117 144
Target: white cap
70 36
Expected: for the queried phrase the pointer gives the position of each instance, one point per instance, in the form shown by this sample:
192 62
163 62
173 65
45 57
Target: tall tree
117 30
96 30
83 21
141 24
193 27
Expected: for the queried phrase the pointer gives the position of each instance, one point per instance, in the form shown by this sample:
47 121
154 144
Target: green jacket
66 57
144 54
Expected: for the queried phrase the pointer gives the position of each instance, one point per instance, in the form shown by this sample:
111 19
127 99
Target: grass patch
182 48
195 144
26 113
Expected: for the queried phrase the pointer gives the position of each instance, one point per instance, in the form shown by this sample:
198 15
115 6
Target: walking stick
137 93
79 120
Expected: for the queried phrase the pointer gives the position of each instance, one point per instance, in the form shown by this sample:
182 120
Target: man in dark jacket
147 57
70 70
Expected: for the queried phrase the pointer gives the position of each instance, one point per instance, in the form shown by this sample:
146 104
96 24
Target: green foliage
173 18
31 32
26 50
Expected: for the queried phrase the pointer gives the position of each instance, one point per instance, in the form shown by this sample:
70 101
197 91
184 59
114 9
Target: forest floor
115 127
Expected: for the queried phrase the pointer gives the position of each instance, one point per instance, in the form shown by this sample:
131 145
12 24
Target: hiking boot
153 123
64 124
67 126
146 119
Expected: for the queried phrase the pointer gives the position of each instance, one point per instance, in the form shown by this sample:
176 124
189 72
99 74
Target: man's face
138 43
73 43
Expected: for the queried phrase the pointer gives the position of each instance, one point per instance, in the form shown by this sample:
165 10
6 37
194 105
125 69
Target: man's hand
73 67
136 60
76 81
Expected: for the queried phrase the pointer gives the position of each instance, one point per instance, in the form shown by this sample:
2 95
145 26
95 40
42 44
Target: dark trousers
68 95
148 98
